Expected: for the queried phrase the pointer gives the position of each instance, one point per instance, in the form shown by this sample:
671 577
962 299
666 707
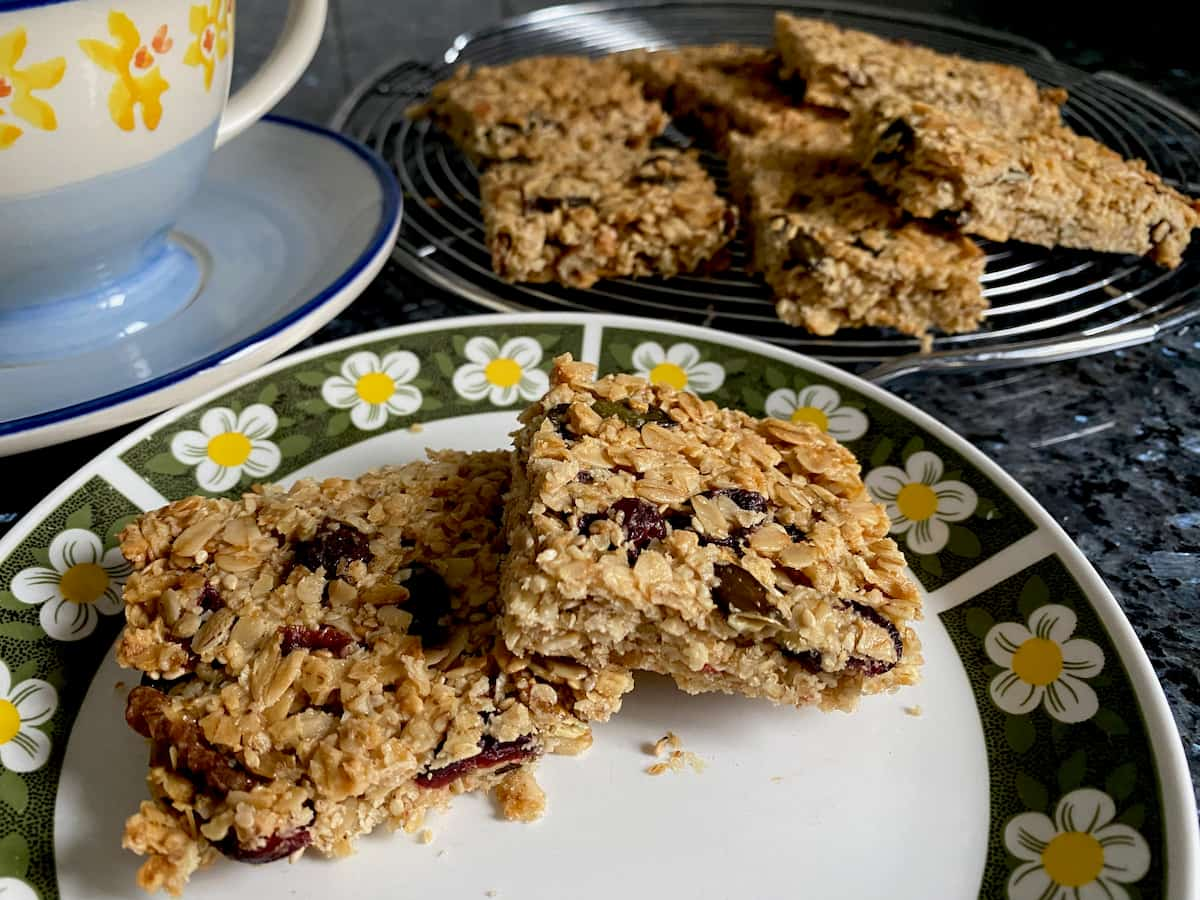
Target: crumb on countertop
416 427
425 836
676 759
914 711
669 741
520 797
777 779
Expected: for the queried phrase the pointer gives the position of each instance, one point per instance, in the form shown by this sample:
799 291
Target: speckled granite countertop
1110 445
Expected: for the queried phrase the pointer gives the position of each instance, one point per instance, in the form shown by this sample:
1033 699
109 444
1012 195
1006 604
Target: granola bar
1051 187
838 256
653 530
577 219
532 108
733 87
323 660
849 69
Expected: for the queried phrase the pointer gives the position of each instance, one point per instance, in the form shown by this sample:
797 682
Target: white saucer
292 222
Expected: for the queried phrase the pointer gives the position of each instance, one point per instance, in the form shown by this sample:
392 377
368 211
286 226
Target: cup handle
293 52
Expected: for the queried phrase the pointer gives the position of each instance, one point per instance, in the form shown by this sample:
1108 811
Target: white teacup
109 111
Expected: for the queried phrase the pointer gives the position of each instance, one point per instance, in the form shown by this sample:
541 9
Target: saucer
291 224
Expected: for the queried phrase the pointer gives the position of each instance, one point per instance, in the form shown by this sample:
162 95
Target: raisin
810 660
491 753
324 638
641 521
210 599
334 543
428 602
795 533
873 667
557 416
804 251
145 713
585 478
630 416
895 143
739 591
276 847
742 499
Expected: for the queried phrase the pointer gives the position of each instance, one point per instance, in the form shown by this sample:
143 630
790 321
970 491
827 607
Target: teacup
109 112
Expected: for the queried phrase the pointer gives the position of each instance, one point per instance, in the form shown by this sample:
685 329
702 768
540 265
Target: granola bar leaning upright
651 529
323 660
533 108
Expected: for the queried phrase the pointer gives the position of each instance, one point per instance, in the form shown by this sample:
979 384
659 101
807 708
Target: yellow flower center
502 372
375 387
917 502
669 374
229 449
812 416
10 721
1038 661
83 583
1073 859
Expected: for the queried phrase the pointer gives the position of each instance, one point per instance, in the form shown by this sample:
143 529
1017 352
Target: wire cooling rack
1045 304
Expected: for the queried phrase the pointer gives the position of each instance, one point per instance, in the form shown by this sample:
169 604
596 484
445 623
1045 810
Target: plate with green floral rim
1037 758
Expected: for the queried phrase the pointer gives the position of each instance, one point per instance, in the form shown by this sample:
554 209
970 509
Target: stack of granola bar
345 654
863 167
572 189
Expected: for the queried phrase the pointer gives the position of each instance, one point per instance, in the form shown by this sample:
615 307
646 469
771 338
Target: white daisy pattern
16 889
23 707
680 367
229 444
82 583
374 389
919 503
1043 664
501 374
819 405
1081 855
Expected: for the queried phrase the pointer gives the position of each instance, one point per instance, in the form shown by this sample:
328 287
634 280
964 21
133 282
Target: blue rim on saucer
390 208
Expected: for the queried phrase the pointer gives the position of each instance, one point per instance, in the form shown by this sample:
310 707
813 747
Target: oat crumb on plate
914 711
669 741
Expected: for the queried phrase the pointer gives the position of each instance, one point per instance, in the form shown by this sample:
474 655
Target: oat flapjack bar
617 212
848 69
1050 187
836 255
651 529
734 87
533 108
323 660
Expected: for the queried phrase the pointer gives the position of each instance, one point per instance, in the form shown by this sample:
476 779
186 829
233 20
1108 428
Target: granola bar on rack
650 529
534 108
1050 187
323 660
836 255
849 69
617 212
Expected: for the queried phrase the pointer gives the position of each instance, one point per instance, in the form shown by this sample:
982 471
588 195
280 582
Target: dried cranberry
873 667
428 603
586 521
491 753
210 599
641 521
737 590
747 500
334 543
324 638
276 847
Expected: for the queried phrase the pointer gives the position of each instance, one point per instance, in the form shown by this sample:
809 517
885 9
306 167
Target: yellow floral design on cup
125 59
209 24
17 87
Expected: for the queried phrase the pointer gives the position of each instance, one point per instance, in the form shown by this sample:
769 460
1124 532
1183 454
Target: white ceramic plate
1044 761
294 222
